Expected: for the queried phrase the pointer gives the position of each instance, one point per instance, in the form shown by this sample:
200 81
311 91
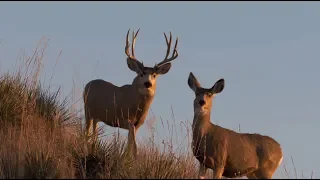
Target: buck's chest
138 113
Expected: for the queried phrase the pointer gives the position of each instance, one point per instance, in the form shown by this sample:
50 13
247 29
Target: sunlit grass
41 137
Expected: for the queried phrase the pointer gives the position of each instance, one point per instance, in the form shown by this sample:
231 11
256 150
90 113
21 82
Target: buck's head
203 101
146 79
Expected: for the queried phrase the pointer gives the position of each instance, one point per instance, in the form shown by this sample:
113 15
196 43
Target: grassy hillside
41 137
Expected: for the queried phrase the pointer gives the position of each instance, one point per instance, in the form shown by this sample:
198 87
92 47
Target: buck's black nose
147 84
202 102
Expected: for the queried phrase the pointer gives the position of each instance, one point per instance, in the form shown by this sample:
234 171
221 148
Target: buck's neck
146 100
142 103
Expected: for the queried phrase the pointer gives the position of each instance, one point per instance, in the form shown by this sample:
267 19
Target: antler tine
174 54
127 45
134 36
132 44
168 44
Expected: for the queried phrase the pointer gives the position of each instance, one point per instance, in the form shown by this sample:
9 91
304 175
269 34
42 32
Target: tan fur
226 152
127 106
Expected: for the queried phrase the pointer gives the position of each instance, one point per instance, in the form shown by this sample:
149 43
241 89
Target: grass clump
41 137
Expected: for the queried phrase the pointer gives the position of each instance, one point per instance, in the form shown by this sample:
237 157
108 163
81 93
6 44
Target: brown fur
127 106
226 152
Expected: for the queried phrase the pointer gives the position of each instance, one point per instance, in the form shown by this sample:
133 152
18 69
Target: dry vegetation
41 137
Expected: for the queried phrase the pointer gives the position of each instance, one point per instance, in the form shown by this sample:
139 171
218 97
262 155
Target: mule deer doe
127 106
226 152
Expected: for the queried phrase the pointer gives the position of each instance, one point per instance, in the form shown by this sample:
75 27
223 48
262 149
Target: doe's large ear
218 86
135 65
193 82
164 68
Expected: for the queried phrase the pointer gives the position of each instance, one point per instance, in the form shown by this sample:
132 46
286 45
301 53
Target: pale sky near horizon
267 52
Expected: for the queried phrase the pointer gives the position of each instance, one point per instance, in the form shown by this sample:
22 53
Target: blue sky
267 52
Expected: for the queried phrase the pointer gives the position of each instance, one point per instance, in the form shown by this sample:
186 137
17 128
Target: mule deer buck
127 106
228 153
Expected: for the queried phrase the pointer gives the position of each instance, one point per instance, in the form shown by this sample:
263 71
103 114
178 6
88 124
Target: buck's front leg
95 130
132 145
202 171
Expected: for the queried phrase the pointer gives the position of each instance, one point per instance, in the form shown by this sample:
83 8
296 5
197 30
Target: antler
134 36
174 54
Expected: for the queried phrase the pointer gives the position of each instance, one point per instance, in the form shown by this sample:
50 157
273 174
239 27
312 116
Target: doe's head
203 96
146 79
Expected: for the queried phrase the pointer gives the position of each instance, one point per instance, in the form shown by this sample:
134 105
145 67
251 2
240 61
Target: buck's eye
141 74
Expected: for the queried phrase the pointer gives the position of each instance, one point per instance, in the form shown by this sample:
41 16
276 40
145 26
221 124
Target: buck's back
114 105
99 91
101 98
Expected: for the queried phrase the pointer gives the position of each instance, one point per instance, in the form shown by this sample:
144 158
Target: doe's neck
200 118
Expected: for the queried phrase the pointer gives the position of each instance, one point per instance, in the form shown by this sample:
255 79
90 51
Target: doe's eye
154 75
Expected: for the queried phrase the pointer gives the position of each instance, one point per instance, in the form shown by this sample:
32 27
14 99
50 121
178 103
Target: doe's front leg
202 171
217 172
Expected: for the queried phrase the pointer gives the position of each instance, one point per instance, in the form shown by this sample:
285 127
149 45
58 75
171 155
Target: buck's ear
218 87
164 68
135 65
193 82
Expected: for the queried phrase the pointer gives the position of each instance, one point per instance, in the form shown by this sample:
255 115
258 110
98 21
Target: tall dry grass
41 137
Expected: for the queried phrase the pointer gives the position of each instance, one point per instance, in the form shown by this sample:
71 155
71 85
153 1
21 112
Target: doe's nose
202 102
147 84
